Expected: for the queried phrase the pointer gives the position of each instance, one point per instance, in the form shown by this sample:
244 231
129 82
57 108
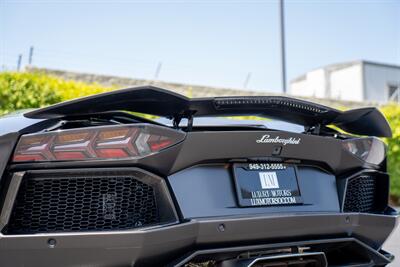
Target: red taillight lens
106 142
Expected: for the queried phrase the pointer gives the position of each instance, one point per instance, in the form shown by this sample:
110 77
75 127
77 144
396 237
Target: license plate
266 184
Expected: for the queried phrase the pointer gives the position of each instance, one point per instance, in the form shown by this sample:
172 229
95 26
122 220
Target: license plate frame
266 184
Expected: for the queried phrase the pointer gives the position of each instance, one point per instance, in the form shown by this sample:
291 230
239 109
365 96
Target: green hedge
392 113
33 90
23 90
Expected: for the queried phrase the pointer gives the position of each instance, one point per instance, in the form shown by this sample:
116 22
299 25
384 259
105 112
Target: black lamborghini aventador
92 182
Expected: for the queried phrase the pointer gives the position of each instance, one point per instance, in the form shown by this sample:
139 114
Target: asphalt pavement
392 245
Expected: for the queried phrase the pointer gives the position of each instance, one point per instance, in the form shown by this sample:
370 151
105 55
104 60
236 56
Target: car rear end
111 189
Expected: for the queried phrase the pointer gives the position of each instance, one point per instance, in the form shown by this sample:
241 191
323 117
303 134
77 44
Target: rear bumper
172 244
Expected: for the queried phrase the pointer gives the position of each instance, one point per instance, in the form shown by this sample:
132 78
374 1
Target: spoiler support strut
176 120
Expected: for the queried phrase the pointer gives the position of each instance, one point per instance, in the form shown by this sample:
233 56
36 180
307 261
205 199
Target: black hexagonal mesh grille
82 204
360 194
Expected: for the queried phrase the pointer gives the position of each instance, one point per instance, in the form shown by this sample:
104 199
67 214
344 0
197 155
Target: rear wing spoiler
164 103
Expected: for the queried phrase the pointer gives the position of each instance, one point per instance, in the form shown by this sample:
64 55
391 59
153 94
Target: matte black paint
208 190
159 246
223 146
200 179
161 102
208 146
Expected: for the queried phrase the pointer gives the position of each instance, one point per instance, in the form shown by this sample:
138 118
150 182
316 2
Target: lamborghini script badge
277 140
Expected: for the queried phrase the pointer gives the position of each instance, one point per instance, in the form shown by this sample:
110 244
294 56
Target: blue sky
199 42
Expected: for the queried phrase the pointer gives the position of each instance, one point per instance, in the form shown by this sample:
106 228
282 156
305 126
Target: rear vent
361 194
83 203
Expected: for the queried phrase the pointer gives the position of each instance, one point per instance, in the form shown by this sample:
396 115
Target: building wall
362 81
347 83
377 80
312 86
300 88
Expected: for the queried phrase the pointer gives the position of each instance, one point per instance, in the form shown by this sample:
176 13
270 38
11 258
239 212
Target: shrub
25 90
392 113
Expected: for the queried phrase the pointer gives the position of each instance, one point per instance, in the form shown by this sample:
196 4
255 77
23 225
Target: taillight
370 149
105 142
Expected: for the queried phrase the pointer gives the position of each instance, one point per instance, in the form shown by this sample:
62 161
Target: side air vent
88 201
364 193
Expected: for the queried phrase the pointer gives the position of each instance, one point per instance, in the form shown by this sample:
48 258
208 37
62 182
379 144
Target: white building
353 81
